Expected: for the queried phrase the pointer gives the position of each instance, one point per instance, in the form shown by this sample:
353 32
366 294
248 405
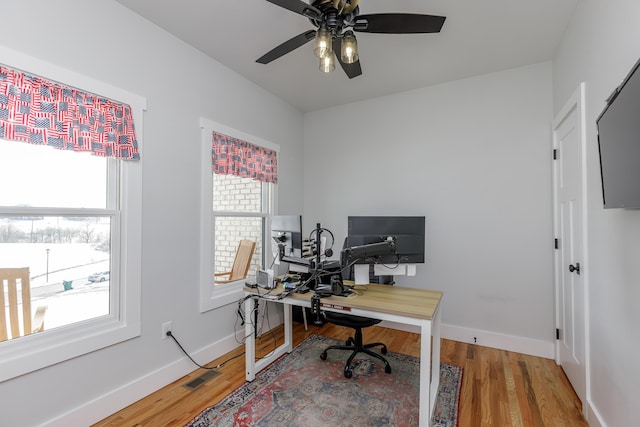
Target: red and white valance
39 111
232 156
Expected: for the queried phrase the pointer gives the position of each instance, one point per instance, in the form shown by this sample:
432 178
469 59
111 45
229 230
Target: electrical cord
303 285
241 315
256 327
275 257
169 334
219 365
271 332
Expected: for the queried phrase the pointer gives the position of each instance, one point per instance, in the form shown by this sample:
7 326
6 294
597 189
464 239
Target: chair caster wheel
387 369
348 373
323 355
350 341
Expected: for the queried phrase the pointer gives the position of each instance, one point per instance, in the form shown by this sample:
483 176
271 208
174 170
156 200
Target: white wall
103 40
601 45
471 155
474 157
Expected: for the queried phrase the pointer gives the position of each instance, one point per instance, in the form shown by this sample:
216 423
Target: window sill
37 351
222 295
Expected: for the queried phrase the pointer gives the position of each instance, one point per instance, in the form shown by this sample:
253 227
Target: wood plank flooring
499 388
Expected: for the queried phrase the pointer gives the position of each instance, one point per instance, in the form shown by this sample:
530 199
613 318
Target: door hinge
556 243
555 154
557 333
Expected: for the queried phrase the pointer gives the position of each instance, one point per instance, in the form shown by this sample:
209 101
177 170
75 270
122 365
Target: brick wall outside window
235 194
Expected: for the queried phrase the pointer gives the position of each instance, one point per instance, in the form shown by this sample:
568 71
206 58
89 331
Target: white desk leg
435 361
424 395
249 340
288 328
253 366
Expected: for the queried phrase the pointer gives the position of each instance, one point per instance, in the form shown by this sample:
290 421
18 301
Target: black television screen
619 144
408 232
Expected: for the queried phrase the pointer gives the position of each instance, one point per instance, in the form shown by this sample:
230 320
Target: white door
569 224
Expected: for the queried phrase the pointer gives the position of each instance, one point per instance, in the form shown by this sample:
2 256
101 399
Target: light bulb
323 43
327 63
349 48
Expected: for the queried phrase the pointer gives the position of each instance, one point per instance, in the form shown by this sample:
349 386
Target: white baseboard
513 343
500 341
593 416
115 400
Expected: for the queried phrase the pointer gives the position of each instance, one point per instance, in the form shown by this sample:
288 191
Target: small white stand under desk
399 304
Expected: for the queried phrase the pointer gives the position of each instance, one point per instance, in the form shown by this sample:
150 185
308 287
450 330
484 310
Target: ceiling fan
336 20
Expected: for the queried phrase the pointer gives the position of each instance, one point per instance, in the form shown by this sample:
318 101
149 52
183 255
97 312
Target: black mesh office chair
355 344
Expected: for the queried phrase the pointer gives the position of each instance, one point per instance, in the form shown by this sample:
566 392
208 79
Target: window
240 207
233 208
59 213
75 220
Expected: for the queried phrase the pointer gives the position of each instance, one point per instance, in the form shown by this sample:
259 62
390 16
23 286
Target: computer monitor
286 234
388 241
371 238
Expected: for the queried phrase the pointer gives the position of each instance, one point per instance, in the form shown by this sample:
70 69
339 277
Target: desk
409 306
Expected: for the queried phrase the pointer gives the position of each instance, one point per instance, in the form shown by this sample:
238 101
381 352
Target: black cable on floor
240 314
196 363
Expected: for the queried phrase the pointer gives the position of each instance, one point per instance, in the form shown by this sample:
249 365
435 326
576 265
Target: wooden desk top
397 300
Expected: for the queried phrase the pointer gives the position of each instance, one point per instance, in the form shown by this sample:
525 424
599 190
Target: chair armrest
222 281
38 319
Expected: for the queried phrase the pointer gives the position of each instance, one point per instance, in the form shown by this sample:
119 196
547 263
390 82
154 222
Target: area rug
299 389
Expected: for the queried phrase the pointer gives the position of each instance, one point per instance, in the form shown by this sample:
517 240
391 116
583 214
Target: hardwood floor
499 388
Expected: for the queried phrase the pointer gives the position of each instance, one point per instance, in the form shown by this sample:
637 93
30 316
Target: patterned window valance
232 156
39 111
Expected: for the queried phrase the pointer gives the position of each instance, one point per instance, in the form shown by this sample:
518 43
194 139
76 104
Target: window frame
37 351
213 296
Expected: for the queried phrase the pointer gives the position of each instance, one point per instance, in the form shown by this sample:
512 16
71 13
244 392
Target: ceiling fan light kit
349 51
327 63
323 43
336 20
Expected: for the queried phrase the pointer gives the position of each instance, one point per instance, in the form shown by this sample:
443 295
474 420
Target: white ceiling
478 37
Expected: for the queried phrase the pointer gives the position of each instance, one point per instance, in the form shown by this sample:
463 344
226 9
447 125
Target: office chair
355 344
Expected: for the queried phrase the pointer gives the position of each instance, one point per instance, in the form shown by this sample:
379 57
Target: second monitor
286 232
407 233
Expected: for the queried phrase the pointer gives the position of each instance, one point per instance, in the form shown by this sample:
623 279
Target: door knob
576 268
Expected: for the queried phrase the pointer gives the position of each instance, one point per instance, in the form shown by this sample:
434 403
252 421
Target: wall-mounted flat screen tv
619 144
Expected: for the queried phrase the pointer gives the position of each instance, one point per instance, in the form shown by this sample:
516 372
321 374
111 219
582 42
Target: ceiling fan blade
398 23
351 70
298 6
286 47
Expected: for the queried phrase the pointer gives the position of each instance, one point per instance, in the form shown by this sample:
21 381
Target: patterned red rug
299 389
